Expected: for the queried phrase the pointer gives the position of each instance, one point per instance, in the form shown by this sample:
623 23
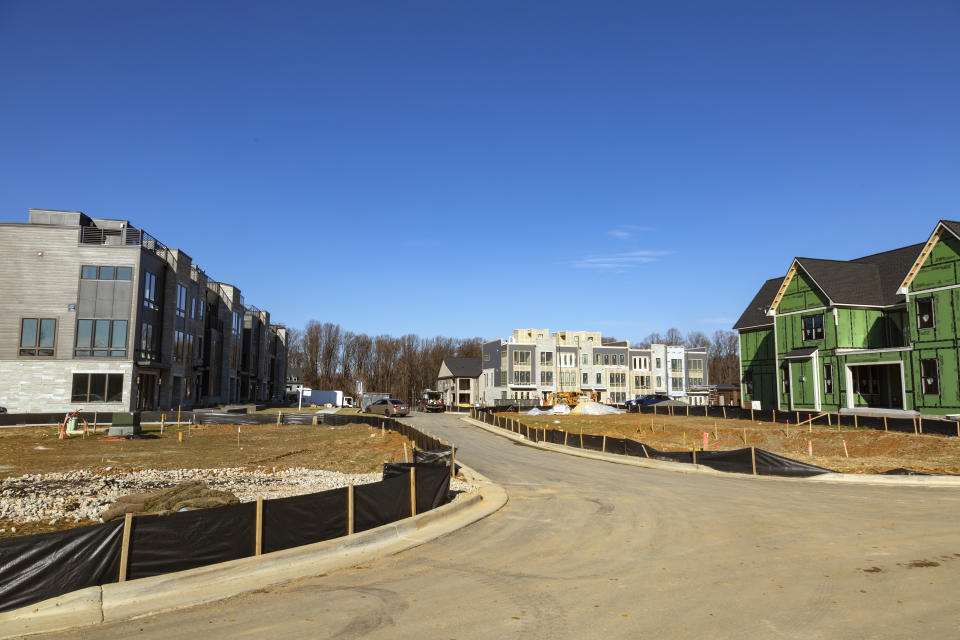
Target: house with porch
877 333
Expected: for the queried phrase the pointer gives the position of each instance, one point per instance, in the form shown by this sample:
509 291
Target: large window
828 379
866 380
695 365
97 387
178 346
91 272
181 301
925 319
546 358
813 327
101 339
546 377
150 291
676 384
930 372
38 336
641 362
521 357
676 364
148 348
521 377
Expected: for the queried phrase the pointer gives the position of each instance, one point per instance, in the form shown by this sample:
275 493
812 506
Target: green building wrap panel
801 294
940 269
758 367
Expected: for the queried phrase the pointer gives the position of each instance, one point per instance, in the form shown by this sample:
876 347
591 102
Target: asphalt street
590 549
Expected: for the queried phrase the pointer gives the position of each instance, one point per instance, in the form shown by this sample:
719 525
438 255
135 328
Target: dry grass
870 451
356 448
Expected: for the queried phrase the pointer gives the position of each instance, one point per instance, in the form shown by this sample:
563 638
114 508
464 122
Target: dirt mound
188 495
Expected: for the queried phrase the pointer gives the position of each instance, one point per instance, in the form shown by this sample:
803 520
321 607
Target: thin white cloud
620 261
628 230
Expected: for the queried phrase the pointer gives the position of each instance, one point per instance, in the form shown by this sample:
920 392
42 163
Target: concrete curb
675 467
135 598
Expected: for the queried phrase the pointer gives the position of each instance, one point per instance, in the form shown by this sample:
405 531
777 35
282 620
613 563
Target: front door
802 385
146 392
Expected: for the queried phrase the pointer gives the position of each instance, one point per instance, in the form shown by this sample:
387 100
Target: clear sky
465 168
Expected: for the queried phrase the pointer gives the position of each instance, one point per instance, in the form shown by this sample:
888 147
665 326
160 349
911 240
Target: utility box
124 424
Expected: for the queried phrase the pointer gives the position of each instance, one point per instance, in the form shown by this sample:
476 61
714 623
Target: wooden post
125 546
855 422
642 446
753 459
581 437
885 423
798 417
565 434
180 436
845 452
95 413
688 411
405 459
915 426
921 423
162 420
259 540
724 412
829 424
453 461
279 415
178 416
349 509
751 414
413 491
603 449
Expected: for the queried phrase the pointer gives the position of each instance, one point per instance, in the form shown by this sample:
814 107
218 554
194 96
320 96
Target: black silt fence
38 567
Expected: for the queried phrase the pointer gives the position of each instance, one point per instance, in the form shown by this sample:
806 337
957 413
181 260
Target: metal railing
125 237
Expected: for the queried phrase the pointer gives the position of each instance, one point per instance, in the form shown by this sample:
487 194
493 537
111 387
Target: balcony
124 237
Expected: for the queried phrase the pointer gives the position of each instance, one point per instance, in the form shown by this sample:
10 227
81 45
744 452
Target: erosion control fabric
42 566
38 567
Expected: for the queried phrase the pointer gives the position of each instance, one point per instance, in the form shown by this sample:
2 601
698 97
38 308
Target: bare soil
354 448
867 450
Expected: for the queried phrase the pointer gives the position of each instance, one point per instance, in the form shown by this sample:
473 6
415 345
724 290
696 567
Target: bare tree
724 361
673 337
697 339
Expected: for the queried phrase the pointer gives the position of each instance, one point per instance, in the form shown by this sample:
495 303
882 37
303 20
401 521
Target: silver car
389 407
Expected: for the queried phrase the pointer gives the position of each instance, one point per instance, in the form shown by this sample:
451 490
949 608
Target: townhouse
877 333
100 315
534 364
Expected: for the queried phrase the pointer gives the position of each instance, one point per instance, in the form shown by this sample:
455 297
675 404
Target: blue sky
463 169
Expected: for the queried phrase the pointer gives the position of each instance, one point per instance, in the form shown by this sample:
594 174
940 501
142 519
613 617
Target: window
828 379
521 358
622 359
150 291
676 384
866 381
586 378
486 356
676 364
546 358
813 327
97 387
235 328
38 336
658 363
636 381
641 362
925 319
748 381
147 345
597 358
181 301
599 378
101 339
695 365
930 373
606 358
696 382
464 384
659 382
521 377
91 272
193 308
178 346
546 377
200 308
503 378
585 359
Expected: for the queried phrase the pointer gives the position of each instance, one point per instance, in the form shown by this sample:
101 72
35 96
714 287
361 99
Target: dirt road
588 549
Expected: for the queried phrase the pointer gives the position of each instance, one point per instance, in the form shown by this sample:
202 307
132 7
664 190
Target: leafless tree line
723 357
329 357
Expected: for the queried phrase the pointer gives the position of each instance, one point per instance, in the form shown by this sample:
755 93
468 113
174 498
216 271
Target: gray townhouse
534 364
98 315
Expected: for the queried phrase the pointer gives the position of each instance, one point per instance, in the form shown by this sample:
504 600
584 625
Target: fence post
259 540
885 423
279 416
125 546
603 449
565 434
724 412
753 459
349 509
921 423
642 446
688 411
751 414
453 461
413 491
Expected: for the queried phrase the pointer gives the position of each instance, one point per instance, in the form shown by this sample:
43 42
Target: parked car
389 407
647 400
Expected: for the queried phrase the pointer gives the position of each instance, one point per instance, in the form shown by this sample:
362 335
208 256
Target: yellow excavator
572 398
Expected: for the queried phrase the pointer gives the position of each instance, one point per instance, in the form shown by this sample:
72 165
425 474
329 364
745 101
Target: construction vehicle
572 398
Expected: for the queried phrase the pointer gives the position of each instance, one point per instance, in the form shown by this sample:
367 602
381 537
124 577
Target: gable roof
925 248
755 315
463 367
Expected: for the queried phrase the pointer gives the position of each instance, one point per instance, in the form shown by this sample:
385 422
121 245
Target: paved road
589 549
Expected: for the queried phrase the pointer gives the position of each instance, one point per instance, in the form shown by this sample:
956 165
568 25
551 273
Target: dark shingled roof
755 314
953 226
464 367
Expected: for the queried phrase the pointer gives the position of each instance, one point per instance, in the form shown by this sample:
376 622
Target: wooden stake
405 458
753 459
565 434
855 422
603 449
644 450
885 423
914 426
180 437
751 414
178 416
921 424
715 436
413 491
349 509
688 411
845 452
829 424
453 461
279 415
125 546
162 416
259 540
724 412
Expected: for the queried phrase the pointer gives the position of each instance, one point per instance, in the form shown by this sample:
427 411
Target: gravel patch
84 494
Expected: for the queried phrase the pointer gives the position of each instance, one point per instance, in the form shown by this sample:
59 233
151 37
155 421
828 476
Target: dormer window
925 319
813 327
